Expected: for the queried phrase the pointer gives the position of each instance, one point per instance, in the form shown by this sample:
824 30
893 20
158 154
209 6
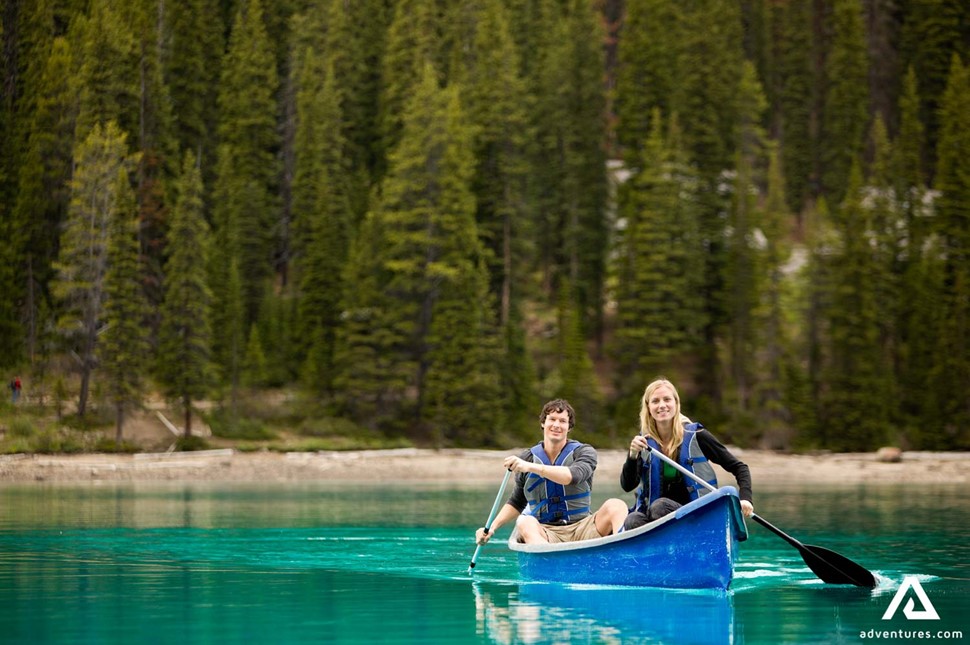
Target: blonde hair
648 425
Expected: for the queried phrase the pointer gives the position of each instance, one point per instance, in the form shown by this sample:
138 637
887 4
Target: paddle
829 566
491 516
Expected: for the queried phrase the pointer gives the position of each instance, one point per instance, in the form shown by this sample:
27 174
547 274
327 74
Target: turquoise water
227 563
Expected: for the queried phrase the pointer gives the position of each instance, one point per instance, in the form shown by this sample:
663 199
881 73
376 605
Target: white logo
928 612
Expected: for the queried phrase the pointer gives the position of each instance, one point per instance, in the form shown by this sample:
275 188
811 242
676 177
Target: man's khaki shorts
584 529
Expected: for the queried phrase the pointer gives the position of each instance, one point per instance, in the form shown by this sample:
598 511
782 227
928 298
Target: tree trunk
187 403
119 423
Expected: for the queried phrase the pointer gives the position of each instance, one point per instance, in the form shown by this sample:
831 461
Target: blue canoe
692 548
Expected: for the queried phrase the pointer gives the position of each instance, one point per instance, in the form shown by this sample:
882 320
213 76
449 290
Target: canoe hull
693 548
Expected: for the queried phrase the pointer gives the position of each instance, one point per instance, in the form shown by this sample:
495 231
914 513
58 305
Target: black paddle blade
835 569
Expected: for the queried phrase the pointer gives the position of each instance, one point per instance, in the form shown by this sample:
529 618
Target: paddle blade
834 568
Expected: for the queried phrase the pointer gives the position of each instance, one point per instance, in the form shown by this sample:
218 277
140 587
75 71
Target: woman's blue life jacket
691 457
553 503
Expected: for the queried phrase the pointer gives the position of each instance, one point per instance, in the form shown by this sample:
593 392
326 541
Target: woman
662 487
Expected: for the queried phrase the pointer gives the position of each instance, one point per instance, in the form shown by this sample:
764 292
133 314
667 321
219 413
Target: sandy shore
472 466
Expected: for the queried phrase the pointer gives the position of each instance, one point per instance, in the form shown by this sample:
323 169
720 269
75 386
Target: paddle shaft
491 517
828 565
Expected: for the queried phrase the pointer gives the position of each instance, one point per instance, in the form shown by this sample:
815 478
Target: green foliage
185 335
254 369
229 426
568 158
845 113
246 205
707 108
431 329
124 344
493 95
744 248
577 381
82 261
410 46
188 444
417 223
658 264
355 47
107 74
20 427
789 85
932 33
778 393
648 70
324 219
952 369
113 446
193 46
853 402
709 74
42 201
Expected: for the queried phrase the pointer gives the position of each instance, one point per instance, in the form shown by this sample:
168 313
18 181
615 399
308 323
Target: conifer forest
421 219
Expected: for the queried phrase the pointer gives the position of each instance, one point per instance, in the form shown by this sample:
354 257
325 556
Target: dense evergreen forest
425 217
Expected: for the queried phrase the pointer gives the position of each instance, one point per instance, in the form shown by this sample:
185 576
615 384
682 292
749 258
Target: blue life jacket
553 503
690 457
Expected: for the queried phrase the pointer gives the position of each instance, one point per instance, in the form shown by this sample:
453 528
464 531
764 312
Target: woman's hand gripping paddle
828 565
491 516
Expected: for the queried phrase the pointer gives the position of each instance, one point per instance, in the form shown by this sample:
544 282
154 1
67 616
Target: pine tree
156 142
323 214
743 274
461 395
845 115
518 376
888 243
711 65
919 309
951 374
778 372
658 265
708 110
193 49
648 72
355 46
107 68
43 194
495 103
411 43
853 405
26 43
123 346
418 325
933 31
495 100
577 378
370 360
82 260
789 86
818 280
247 168
570 160
254 368
278 336
183 367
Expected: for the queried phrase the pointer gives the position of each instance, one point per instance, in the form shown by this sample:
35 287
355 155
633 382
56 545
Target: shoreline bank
470 466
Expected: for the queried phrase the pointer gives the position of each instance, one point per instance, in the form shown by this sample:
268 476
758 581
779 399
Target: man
554 479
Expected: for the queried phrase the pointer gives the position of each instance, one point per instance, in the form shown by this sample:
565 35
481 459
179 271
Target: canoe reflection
543 613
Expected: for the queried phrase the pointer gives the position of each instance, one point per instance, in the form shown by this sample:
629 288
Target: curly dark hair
558 405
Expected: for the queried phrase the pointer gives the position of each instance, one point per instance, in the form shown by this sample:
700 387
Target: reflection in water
541 613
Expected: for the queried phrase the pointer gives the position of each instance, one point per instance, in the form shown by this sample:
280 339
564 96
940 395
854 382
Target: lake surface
231 563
